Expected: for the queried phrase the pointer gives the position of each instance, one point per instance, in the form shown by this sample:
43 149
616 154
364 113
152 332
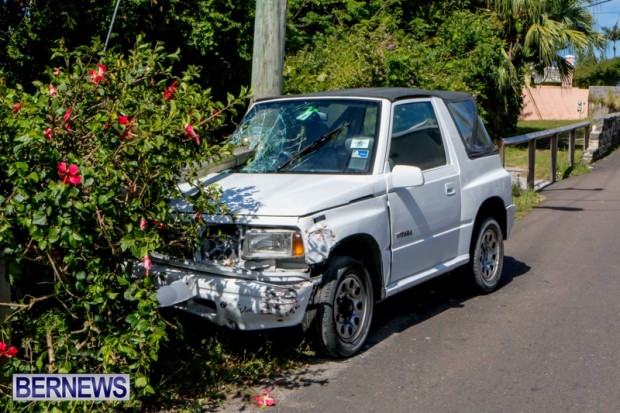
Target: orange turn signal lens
298 245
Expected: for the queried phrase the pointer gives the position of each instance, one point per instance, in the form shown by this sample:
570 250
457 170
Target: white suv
348 198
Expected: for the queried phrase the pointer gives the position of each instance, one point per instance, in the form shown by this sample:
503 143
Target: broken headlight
261 244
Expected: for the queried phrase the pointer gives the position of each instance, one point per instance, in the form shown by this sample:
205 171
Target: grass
206 363
530 126
525 201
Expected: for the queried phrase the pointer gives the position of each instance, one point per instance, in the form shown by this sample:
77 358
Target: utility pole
268 54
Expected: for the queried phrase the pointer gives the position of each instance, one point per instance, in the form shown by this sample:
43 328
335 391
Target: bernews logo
42 387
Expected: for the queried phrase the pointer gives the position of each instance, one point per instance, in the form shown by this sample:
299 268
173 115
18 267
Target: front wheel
487 257
344 307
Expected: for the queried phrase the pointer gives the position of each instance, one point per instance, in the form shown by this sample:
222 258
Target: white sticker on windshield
360 143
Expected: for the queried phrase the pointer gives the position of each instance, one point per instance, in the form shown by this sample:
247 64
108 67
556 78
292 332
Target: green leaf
39 218
127 242
102 199
141 381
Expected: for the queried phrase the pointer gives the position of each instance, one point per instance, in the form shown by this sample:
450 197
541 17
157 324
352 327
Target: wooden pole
554 158
531 163
268 54
571 147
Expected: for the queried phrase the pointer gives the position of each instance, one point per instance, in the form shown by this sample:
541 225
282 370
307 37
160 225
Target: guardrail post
531 163
502 151
571 147
554 157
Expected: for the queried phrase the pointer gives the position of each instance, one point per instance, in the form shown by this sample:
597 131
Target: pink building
554 103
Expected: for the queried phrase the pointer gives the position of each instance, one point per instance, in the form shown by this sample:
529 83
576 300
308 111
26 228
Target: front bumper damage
235 300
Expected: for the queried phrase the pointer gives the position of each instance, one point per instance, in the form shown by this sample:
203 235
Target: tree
213 34
463 52
87 164
536 31
612 34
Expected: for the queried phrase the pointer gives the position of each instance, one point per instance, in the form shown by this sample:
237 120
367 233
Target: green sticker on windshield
307 113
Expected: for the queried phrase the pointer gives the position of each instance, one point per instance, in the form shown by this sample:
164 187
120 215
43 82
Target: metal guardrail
553 134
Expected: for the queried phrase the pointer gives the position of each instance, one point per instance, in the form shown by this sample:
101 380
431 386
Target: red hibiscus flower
16 107
56 71
143 224
52 90
69 175
66 117
124 120
190 133
11 352
146 261
265 399
96 75
48 133
169 91
160 225
128 124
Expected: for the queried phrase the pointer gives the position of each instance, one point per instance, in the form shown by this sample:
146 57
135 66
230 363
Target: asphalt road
548 340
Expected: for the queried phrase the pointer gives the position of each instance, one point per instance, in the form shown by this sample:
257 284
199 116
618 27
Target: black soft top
390 93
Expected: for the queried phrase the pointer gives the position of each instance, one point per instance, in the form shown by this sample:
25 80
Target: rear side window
474 135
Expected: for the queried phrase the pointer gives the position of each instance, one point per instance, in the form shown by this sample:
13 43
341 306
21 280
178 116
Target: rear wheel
344 307
487 256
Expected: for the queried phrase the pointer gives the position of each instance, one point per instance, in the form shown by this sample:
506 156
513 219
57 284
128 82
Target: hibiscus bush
87 166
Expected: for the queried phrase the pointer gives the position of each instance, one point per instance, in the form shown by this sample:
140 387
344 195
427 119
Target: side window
476 139
416 138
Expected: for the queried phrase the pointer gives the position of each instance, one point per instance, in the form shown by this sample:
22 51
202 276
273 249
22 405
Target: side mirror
404 176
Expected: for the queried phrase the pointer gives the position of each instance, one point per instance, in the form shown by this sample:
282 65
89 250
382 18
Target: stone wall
605 134
600 97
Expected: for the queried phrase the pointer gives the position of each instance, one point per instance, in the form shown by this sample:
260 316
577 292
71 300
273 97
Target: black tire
344 307
487 256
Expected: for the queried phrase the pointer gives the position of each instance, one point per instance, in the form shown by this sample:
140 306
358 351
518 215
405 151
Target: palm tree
612 34
537 30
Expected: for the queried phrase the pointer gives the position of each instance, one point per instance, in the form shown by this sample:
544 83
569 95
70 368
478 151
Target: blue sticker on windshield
360 154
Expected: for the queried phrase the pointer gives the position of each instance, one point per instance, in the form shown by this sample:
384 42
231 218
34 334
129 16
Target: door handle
450 189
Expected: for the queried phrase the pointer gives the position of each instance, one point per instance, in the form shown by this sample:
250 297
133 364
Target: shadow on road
552 189
560 208
427 300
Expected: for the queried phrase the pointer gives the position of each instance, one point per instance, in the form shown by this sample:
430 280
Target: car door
425 220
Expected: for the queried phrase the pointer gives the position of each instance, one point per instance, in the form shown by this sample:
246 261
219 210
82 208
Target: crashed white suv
348 198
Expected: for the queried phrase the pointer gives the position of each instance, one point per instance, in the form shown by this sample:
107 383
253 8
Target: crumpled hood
291 194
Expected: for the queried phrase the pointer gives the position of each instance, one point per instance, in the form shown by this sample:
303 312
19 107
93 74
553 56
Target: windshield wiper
313 146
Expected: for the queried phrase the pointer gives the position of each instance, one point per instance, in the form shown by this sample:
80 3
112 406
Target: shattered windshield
310 136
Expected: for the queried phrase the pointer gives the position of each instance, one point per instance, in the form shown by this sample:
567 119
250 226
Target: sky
606 13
